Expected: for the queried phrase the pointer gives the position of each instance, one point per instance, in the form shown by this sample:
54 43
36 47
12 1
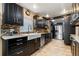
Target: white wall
0 28
0 14
28 21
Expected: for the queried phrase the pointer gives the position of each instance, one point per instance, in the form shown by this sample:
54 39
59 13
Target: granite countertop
29 35
75 37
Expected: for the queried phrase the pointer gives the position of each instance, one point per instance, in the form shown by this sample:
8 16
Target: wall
28 21
0 28
0 14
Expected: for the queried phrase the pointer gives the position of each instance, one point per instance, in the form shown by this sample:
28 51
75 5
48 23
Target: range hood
74 19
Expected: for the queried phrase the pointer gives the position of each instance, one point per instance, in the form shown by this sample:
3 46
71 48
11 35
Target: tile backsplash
8 31
27 22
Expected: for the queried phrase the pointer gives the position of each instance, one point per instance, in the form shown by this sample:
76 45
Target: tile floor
54 48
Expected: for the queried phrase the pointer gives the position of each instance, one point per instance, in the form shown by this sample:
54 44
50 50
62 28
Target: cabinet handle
19 39
14 19
19 43
17 20
19 52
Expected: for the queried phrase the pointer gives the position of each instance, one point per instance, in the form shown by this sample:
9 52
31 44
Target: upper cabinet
75 7
75 14
13 14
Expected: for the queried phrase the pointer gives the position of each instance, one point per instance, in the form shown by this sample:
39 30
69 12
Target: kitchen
26 29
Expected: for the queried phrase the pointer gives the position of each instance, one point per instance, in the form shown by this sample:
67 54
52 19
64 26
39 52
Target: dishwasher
42 41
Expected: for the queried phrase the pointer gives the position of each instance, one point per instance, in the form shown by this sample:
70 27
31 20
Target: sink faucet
29 27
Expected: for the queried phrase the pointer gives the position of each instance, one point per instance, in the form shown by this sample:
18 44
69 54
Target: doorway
58 31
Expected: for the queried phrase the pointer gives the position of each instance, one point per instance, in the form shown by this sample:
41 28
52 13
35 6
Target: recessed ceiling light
62 19
47 15
53 20
64 11
34 6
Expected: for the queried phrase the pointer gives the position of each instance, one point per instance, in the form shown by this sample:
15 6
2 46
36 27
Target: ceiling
52 9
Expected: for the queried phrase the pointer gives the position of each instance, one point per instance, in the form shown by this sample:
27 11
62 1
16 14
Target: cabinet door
74 48
37 43
11 13
19 15
8 17
6 14
30 47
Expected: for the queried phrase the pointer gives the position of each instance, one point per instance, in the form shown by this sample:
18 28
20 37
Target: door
58 31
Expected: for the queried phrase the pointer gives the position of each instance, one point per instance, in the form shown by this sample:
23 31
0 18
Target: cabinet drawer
11 41
20 53
17 45
16 49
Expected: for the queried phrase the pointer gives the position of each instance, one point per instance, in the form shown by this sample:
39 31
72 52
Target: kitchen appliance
42 41
58 31
66 31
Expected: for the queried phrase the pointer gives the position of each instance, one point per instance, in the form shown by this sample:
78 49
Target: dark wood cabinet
34 46
30 47
19 14
13 14
20 46
15 47
74 47
37 44
7 13
46 38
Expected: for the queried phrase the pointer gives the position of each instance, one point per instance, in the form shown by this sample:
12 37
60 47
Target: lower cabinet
20 46
33 45
75 47
46 38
